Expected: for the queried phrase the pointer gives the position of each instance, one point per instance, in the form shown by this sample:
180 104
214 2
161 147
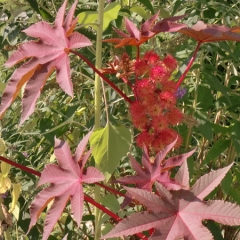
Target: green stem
97 98
188 66
189 135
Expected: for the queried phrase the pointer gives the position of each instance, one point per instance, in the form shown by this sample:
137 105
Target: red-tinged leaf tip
78 156
60 15
33 89
64 157
146 26
132 29
121 33
67 25
17 80
176 160
182 176
54 213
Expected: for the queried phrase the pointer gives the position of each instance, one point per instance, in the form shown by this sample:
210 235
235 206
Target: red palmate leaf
65 181
148 30
48 53
135 37
156 170
210 33
179 214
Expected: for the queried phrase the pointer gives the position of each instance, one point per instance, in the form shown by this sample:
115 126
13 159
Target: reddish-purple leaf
179 214
65 181
33 89
148 24
210 33
156 170
169 25
48 53
135 37
147 30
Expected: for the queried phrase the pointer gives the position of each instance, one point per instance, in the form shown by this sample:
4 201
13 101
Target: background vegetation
211 104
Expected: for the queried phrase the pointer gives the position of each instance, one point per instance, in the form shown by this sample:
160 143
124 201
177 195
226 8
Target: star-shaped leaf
148 30
179 215
48 53
65 181
210 33
134 37
156 170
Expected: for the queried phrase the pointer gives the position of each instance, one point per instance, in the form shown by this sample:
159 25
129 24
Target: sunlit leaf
108 146
47 54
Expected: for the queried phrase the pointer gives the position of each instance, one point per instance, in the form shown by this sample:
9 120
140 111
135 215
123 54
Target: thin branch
102 76
110 213
20 166
188 66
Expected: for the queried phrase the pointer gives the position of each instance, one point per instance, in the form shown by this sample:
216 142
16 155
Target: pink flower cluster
154 111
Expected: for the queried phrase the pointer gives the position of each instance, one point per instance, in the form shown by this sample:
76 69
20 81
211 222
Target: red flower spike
47 54
156 170
144 138
170 62
151 57
202 33
179 214
66 181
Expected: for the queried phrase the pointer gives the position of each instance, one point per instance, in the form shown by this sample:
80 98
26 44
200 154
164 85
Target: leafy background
211 105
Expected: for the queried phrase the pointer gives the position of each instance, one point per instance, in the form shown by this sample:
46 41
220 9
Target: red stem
110 189
110 213
188 66
17 165
127 82
102 76
138 52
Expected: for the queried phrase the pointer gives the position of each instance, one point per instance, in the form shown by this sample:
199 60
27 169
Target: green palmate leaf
139 10
226 183
204 93
89 17
237 174
216 84
148 5
205 126
235 132
215 230
215 151
112 203
34 5
235 194
109 145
